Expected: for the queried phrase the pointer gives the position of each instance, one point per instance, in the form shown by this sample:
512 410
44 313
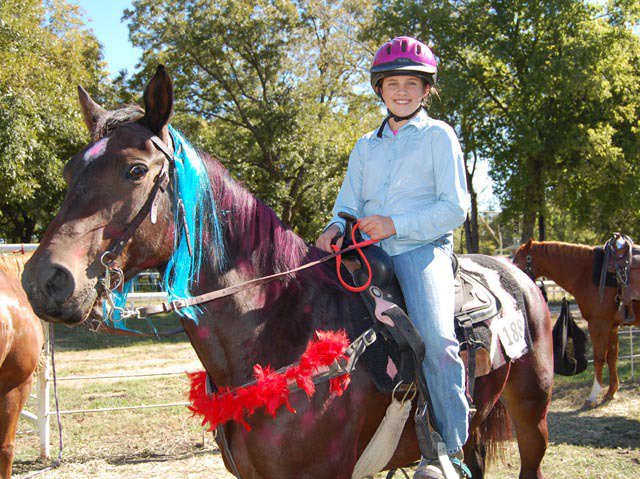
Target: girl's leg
426 278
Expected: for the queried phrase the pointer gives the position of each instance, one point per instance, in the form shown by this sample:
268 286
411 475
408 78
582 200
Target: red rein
271 388
355 289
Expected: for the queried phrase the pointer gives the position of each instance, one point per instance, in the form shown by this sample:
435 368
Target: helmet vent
418 49
404 46
389 49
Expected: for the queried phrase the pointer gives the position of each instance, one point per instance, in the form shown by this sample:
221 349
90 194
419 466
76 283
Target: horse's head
118 200
523 259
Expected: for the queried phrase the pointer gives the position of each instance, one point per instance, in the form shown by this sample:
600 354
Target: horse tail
494 431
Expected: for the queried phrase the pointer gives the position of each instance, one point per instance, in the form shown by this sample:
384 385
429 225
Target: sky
104 18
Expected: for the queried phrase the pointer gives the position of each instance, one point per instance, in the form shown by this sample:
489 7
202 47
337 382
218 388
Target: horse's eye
136 172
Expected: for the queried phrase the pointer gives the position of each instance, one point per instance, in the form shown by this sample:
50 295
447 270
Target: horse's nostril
58 284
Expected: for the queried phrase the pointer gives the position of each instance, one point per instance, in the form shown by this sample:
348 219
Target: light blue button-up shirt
416 177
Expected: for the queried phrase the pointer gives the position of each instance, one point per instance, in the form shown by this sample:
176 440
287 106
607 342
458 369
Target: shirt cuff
336 221
401 224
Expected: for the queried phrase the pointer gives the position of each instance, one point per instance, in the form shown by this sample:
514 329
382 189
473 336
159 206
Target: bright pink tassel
271 390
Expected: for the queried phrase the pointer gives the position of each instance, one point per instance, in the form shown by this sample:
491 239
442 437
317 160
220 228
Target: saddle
474 305
619 267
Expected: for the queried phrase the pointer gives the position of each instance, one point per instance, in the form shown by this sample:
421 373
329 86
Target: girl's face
403 94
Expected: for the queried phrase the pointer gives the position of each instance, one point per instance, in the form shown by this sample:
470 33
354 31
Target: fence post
632 351
43 397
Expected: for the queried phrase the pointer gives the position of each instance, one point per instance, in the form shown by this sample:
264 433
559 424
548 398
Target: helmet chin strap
395 117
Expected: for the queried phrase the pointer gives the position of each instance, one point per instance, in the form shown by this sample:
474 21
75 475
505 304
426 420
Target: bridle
114 276
528 269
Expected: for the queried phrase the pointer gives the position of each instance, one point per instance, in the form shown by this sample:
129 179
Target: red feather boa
271 389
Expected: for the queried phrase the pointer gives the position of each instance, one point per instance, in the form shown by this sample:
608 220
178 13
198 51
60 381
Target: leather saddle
619 268
474 303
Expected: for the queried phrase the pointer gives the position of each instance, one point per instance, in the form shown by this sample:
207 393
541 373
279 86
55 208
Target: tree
550 89
45 54
268 85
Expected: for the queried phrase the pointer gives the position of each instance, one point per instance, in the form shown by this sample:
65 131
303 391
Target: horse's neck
268 324
567 271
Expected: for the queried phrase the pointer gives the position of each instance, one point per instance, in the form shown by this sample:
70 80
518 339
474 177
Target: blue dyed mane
192 189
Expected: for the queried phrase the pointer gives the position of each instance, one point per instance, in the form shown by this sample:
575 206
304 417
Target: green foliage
44 53
548 92
267 86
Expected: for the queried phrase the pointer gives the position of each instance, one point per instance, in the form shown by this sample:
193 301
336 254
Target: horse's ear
158 101
529 243
91 111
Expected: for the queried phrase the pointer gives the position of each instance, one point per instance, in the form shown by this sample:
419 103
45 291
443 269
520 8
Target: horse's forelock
112 119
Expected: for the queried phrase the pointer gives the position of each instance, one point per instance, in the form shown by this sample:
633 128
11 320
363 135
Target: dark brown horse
571 267
108 185
21 341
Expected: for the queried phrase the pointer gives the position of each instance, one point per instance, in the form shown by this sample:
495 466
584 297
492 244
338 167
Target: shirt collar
419 121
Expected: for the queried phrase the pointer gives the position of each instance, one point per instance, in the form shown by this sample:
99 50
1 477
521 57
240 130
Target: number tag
511 334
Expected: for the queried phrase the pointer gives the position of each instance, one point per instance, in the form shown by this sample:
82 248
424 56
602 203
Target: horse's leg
527 396
612 363
11 403
484 429
599 332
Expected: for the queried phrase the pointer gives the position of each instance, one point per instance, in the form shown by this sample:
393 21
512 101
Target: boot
428 469
431 468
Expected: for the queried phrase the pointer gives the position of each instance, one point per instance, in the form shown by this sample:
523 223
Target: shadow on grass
572 428
81 338
41 465
144 457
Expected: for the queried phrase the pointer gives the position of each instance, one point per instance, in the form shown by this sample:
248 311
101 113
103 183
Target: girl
406 183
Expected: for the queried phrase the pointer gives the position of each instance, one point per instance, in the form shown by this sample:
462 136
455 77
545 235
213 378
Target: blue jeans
426 278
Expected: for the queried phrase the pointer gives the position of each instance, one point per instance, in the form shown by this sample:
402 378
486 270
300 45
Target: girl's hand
324 240
377 227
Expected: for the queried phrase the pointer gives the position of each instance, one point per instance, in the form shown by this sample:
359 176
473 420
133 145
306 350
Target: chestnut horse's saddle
617 265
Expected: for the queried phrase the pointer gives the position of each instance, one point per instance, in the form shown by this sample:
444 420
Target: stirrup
464 471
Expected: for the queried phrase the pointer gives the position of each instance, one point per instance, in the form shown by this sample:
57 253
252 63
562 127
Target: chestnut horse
21 341
119 181
571 267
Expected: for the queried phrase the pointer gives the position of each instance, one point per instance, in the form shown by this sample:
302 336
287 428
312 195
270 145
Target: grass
168 443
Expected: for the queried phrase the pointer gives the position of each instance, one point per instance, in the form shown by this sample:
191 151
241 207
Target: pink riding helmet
403 56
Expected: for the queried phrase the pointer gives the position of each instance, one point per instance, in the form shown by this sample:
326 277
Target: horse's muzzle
51 289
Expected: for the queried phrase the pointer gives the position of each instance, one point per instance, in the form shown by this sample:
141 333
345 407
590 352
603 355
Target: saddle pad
510 336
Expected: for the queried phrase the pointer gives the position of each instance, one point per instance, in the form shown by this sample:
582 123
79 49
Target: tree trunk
471 228
542 228
533 199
